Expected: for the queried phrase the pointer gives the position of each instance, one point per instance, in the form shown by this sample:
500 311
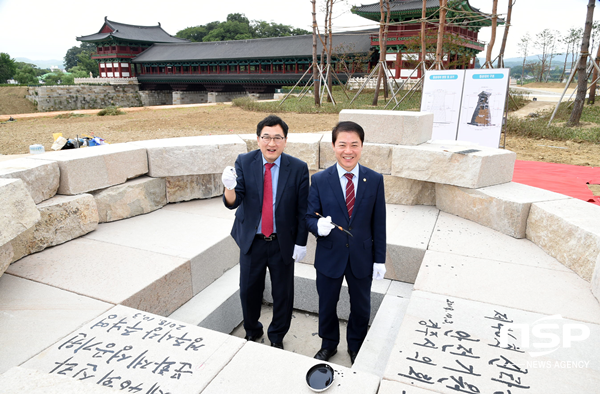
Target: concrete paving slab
409 230
204 240
504 208
41 178
112 273
33 316
448 344
439 163
400 289
86 169
217 307
207 154
20 380
516 286
126 348
392 127
262 369
457 235
375 350
211 207
568 230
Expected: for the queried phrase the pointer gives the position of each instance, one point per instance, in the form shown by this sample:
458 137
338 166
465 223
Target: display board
442 94
483 101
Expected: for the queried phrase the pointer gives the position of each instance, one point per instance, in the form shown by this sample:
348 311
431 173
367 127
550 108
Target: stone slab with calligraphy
136 351
264 369
18 380
448 344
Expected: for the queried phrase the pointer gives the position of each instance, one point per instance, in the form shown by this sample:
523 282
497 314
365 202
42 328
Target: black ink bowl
320 377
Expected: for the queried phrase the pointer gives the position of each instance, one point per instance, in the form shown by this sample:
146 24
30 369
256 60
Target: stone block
307 299
504 208
375 350
448 344
86 169
548 292
403 191
190 187
40 178
409 230
568 230
434 162
148 281
304 146
63 218
392 127
264 369
34 315
208 154
456 235
377 157
132 198
18 215
595 284
19 380
140 349
217 307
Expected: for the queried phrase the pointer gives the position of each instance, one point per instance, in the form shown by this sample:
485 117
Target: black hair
347 126
270 121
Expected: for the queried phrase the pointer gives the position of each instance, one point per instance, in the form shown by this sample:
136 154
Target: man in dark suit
270 191
352 196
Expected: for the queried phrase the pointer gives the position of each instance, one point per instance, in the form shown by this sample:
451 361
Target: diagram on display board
442 91
483 104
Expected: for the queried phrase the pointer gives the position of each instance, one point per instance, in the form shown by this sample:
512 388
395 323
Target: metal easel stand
571 75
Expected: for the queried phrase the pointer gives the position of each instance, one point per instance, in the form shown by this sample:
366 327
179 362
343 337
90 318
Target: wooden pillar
119 67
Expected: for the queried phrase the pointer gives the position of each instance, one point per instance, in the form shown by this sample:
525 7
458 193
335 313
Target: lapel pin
364 179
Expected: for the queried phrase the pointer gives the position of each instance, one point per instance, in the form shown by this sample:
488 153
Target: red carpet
565 179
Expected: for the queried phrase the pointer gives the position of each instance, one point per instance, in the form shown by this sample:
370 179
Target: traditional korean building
118 43
403 54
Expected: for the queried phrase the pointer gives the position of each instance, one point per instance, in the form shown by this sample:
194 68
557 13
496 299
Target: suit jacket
290 202
367 224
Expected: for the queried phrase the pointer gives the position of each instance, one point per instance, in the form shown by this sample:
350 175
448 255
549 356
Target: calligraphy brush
336 225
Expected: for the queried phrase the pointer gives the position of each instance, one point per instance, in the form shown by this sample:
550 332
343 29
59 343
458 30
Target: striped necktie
349 194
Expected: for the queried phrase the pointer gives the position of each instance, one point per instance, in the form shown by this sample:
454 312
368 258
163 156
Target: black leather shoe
353 355
277 345
325 354
254 338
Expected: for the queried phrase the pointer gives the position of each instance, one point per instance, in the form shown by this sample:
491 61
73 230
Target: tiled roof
280 47
132 33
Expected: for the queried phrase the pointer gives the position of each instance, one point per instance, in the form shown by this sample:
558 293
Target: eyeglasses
268 139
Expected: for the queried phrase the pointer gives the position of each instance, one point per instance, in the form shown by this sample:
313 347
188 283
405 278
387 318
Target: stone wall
125 180
73 97
156 97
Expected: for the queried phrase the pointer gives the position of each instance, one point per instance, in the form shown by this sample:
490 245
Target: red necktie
267 208
349 194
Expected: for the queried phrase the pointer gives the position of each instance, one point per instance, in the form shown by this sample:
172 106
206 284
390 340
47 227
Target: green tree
71 58
27 76
7 67
85 62
228 31
194 34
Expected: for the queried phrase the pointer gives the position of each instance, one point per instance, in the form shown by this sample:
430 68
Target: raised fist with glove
324 226
229 178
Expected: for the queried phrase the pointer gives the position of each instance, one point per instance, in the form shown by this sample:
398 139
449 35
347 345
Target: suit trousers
253 266
360 309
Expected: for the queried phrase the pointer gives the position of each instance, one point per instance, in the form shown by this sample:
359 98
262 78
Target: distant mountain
558 60
42 63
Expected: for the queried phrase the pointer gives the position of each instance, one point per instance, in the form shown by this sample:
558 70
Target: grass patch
111 111
306 104
69 116
588 131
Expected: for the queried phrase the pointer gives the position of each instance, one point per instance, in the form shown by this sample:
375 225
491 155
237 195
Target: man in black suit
270 191
352 196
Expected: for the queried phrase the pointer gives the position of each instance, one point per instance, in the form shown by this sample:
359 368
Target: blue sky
40 30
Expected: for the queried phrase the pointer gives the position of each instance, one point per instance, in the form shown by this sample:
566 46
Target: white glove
324 226
229 178
299 253
378 271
